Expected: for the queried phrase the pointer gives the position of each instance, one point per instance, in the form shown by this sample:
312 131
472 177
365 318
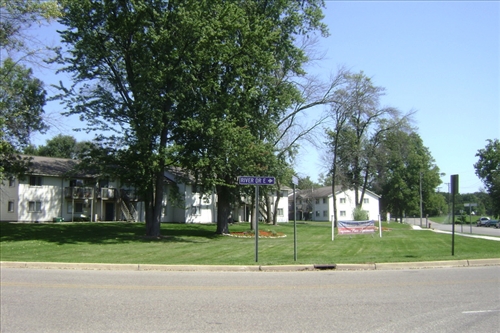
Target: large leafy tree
488 170
406 167
22 96
63 146
359 124
190 82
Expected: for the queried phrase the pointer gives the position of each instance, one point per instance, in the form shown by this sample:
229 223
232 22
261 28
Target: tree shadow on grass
101 233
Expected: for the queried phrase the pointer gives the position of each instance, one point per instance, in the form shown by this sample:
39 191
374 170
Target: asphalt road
466 229
426 300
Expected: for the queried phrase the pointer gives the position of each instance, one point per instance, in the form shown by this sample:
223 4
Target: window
317 201
342 200
342 213
34 206
12 181
10 206
324 200
317 213
35 181
76 182
365 200
325 213
280 211
78 208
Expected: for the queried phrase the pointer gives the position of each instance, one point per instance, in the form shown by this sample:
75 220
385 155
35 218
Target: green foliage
22 98
193 83
407 164
359 214
359 125
488 169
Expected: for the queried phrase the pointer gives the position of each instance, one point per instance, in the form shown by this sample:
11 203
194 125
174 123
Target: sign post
295 182
454 190
470 213
256 181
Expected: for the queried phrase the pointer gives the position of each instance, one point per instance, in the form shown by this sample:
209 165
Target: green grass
197 244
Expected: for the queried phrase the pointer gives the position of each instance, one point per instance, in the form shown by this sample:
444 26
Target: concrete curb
256 268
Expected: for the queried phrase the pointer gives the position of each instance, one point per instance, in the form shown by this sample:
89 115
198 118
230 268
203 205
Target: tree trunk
223 209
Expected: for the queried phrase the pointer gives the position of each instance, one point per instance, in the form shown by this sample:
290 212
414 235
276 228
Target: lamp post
421 200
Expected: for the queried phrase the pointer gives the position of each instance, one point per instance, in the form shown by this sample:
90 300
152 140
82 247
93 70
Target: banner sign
356 227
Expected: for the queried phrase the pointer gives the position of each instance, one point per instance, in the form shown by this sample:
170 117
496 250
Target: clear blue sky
440 58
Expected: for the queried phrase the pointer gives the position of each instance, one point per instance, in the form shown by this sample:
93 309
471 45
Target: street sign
295 180
251 180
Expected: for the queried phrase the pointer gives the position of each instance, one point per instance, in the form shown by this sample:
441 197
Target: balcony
79 192
106 193
130 195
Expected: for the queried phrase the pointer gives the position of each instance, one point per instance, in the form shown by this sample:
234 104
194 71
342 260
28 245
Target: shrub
360 214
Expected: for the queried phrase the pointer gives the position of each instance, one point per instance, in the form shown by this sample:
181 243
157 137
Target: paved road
459 228
427 300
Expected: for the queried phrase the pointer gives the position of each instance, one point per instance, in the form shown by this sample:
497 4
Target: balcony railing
79 192
129 194
106 193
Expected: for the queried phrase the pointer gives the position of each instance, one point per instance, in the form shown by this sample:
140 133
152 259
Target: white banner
356 227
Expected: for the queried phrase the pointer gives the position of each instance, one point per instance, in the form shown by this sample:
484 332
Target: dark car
491 223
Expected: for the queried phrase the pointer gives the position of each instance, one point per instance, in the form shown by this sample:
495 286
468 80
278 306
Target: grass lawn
197 244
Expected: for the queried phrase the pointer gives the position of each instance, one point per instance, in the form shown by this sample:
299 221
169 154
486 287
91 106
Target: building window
342 200
34 206
35 181
317 213
324 200
12 181
325 213
280 211
365 200
342 213
317 201
78 208
76 182
10 207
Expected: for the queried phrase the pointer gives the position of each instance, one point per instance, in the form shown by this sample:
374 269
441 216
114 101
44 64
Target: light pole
421 200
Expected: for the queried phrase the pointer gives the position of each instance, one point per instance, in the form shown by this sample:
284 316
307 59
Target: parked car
482 221
497 225
491 223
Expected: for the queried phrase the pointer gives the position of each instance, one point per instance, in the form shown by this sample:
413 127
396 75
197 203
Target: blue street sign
251 180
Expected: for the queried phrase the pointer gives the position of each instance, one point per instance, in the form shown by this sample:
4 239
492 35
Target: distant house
317 204
51 191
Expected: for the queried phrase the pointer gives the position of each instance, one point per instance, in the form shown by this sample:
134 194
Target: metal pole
294 225
420 199
257 223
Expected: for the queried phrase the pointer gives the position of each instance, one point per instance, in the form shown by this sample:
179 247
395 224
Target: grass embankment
197 244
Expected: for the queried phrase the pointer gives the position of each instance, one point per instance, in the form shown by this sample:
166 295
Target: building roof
52 166
322 192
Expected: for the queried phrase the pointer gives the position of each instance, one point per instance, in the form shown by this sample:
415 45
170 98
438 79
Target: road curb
256 268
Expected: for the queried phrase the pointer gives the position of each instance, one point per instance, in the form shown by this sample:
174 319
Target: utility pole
421 200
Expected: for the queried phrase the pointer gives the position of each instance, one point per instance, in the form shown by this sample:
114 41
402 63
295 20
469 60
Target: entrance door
110 211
